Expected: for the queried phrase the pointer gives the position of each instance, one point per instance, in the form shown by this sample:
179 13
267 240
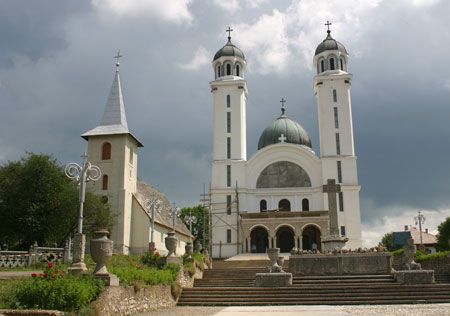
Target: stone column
78 265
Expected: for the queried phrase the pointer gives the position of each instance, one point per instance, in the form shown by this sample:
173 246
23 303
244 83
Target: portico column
300 246
297 242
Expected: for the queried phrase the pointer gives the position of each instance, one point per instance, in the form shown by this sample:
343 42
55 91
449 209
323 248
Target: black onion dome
330 43
229 50
290 129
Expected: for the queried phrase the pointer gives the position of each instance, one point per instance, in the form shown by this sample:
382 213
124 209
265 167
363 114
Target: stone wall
10 312
439 265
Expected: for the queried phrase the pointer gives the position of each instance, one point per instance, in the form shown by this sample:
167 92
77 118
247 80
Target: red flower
41 275
53 276
50 265
157 254
140 267
59 272
45 275
33 275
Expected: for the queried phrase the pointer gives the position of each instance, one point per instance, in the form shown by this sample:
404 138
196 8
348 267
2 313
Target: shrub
151 276
66 293
151 259
8 293
189 267
398 252
424 257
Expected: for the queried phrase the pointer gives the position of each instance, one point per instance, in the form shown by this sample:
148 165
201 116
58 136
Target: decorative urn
189 249
198 246
171 244
274 253
101 251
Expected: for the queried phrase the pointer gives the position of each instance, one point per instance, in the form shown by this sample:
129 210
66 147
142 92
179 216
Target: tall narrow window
334 95
336 118
342 230
339 171
342 64
106 151
237 70
305 205
341 201
229 236
322 66
228 204
228 101
228 122
263 205
332 63
228 70
228 176
131 155
228 148
105 182
338 144
218 71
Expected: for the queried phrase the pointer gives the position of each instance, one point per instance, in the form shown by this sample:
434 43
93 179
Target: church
276 198
114 149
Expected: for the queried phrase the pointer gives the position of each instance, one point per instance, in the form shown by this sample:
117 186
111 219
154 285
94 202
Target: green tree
444 235
39 203
388 241
202 216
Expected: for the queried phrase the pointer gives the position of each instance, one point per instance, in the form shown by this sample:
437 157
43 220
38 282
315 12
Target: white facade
248 211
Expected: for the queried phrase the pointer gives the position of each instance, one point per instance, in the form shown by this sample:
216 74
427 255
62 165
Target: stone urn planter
198 246
101 251
280 262
274 253
189 249
171 244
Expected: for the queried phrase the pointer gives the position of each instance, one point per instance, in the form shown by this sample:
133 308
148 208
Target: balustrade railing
36 254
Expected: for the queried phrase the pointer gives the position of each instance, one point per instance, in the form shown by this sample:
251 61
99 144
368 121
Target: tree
202 216
444 235
39 203
388 241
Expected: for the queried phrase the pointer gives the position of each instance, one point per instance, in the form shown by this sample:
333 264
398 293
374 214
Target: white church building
275 198
113 148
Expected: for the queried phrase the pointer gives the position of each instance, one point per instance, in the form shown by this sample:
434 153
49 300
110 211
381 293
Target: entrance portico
284 230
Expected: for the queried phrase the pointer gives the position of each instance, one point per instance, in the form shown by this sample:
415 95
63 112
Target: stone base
171 259
110 279
77 268
333 242
280 279
414 276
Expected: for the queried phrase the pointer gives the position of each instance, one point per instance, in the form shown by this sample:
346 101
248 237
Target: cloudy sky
56 68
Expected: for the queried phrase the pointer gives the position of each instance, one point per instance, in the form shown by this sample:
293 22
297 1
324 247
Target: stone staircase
231 283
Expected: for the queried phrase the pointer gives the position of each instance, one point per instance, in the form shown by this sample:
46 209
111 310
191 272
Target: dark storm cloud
56 68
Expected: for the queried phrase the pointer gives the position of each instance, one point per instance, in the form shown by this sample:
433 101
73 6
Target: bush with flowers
151 258
54 289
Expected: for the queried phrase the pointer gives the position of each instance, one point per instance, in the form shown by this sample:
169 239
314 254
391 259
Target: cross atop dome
117 60
283 107
328 26
229 30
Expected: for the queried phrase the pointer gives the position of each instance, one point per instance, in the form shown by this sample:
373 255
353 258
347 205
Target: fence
36 254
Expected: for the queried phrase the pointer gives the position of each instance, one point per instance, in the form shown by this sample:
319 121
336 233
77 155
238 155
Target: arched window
106 151
263 205
305 205
218 71
342 64
284 205
283 174
105 182
237 70
331 63
322 66
228 70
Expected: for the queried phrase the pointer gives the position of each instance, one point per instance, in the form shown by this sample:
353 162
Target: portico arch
285 238
310 235
259 239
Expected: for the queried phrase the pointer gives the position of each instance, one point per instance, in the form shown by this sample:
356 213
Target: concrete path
353 310
255 256
4 275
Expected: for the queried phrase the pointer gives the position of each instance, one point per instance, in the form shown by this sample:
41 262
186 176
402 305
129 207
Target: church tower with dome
275 198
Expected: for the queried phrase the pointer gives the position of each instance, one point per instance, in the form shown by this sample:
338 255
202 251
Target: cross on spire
229 30
117 58
328 26
283 108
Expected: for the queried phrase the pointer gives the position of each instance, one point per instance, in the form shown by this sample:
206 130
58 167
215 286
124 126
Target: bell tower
229 90
332 89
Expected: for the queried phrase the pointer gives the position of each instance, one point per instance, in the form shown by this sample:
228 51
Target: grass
424 257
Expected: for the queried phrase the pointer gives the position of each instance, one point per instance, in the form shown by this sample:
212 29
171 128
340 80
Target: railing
36 254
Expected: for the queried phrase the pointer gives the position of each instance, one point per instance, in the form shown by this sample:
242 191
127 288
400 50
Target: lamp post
420 219
174 211
81 174
190 220
153 205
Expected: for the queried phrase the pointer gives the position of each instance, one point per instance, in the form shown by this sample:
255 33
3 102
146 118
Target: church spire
114 120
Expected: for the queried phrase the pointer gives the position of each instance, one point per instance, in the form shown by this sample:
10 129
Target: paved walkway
354 310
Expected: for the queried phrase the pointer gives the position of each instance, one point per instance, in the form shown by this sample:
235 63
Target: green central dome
283 129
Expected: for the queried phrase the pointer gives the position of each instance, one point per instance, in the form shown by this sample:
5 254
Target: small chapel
277 198
114 149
